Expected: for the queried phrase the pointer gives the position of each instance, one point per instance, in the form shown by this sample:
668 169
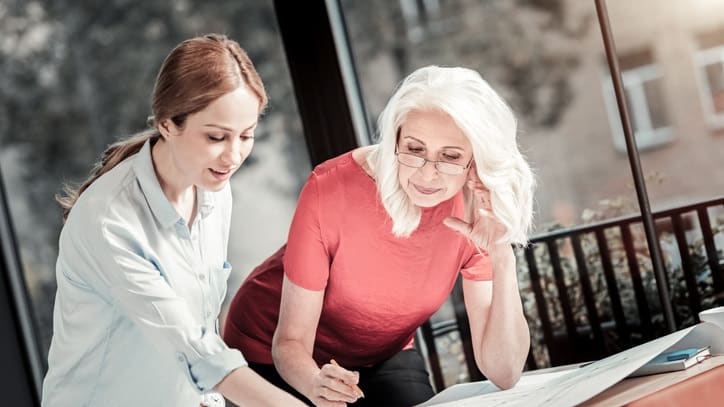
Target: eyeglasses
444 167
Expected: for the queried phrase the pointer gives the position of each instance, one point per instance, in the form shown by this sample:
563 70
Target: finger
482 199
488 215
473 173
458 225
340 373
320 402
341 389
340 379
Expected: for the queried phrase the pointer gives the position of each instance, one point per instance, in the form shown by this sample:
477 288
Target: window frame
702 59
647 137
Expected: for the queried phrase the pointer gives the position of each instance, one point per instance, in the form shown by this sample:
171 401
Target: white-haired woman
378 239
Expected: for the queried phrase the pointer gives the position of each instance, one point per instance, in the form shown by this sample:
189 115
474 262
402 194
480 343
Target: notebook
679 359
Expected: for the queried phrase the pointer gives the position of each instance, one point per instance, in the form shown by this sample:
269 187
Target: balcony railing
591 292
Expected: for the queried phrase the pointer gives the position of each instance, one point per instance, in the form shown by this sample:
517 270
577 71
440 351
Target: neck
360 155
181 194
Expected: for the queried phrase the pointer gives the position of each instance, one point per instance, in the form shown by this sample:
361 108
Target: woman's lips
221 175
426 191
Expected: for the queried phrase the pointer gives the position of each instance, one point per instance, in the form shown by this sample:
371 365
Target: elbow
282 348
277 347
501 374
506 380
504 372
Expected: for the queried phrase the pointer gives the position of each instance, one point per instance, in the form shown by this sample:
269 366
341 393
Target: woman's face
434 136
214 142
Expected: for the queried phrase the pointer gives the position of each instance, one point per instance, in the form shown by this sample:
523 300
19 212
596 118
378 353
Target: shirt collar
161 207
205 201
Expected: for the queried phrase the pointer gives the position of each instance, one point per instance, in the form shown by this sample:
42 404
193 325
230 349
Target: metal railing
595 260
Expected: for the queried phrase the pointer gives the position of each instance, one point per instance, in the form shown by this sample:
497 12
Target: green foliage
676 282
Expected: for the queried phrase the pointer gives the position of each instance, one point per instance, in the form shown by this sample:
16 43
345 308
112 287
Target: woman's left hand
484 229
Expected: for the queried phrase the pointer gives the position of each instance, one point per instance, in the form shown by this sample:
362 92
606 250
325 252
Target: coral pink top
378 288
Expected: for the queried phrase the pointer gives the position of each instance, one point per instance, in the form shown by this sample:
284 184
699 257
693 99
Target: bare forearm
506 339
244 387
295 365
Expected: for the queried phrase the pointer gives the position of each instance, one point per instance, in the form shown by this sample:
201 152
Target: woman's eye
416 150
450 157
214 137
247 136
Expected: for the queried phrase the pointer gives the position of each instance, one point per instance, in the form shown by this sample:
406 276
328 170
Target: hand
480 224
212 399
334 387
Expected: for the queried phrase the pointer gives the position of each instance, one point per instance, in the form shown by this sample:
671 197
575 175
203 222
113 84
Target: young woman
141 267
378 239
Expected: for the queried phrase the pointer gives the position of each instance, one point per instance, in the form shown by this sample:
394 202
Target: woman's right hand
334 386
293 346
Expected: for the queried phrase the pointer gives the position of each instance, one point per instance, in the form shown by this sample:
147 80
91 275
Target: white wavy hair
489 124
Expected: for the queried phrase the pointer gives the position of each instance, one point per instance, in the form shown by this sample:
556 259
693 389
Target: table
699 385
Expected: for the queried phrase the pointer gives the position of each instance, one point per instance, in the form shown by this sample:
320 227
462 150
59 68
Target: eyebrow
229 129
444 147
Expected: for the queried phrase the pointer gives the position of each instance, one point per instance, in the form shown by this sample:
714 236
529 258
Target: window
74 79
709 60
645 101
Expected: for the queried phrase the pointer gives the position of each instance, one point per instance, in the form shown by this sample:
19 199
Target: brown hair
194 74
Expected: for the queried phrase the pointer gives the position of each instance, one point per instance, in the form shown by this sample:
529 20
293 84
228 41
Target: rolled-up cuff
206 373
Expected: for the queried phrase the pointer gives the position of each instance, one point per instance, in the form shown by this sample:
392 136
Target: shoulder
334 165
112 197
348 167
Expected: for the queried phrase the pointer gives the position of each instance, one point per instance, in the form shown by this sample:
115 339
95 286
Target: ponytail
112 156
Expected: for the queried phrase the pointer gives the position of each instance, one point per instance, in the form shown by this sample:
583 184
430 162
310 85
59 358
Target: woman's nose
429 170
235 153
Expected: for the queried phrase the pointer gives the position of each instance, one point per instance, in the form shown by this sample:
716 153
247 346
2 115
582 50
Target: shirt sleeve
141 293
477 267
307 260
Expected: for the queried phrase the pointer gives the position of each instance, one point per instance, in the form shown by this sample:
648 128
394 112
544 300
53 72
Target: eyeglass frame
434 162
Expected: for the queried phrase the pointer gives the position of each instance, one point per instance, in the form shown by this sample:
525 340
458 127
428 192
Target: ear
167 128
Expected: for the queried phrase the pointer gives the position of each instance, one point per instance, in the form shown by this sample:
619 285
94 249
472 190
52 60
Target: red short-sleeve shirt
378 288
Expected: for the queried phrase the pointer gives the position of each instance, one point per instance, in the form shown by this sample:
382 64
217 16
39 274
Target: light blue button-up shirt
139 293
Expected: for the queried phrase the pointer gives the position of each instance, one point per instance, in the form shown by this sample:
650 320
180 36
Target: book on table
673 360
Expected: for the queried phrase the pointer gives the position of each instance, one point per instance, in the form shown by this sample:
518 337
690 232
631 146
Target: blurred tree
482 35
77 75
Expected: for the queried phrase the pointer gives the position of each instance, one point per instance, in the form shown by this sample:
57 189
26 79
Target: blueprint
574 386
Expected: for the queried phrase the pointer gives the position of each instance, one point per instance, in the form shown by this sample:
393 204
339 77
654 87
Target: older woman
378 239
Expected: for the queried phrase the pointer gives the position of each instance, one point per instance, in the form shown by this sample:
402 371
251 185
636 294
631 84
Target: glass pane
677 180
715 79
689 170
655 101
544 58
632 107
75 78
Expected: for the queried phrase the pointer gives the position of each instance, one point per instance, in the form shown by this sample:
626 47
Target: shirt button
202 277
208 314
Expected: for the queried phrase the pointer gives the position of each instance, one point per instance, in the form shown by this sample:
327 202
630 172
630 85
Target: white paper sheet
569 388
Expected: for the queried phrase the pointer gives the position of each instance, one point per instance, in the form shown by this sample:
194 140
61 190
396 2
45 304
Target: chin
426 201
214 186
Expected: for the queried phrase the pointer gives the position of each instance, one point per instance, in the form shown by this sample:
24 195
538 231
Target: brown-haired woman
141 268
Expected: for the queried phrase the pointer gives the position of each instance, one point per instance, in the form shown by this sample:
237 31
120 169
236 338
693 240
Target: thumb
458 225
